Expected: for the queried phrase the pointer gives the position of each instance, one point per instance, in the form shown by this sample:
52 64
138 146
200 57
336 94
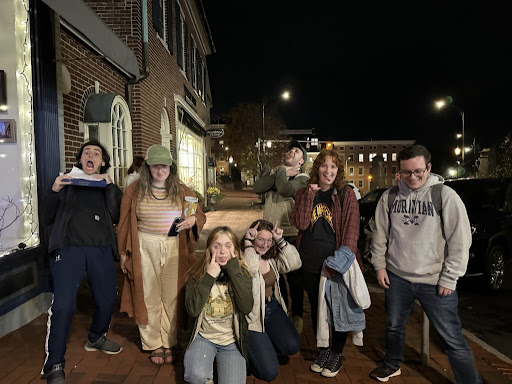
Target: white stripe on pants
159 259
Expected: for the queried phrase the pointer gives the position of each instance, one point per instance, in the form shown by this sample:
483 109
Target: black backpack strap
393 191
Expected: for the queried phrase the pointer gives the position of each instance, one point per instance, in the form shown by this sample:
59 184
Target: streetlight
442 103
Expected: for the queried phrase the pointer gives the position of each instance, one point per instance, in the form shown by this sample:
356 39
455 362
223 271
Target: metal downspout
145 56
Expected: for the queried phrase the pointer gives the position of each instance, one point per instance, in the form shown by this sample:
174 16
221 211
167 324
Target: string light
25 124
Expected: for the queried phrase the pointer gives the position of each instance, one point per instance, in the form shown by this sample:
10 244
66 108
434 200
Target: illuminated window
361 157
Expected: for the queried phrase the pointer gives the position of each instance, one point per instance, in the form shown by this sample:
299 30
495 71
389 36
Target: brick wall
150 95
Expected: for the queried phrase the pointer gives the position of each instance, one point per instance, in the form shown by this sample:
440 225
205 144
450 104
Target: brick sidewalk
21 352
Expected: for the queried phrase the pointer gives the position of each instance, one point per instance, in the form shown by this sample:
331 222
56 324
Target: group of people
229 305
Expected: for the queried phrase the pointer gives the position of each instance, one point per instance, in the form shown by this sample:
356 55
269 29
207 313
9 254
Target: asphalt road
487 315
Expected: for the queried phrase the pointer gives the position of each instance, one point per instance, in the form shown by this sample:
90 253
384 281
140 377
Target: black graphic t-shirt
319 240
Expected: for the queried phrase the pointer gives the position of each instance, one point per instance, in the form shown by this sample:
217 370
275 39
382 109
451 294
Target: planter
213 199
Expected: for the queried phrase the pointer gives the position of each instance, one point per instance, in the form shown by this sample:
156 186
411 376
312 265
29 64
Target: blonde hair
199 268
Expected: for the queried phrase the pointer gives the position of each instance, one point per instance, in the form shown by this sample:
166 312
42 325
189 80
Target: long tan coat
132 299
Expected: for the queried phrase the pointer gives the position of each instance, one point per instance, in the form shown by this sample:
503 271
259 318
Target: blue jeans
280 336
198 362
441 311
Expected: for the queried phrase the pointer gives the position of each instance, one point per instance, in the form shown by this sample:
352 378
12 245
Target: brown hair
264 226
199 268
136 164
172 183
339 183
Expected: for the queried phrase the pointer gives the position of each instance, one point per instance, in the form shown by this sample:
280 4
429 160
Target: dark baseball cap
296 144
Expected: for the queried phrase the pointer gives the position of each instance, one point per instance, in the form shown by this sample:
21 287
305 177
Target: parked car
489 205
488 202
367 205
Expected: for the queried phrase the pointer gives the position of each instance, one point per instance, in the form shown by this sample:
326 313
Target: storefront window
190 158
19 228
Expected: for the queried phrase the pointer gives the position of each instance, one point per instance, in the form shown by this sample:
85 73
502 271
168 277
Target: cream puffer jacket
288 260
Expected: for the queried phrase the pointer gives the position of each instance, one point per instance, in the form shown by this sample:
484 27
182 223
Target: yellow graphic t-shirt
217 324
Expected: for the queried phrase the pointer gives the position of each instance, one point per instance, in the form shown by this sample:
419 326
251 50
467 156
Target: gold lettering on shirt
321 210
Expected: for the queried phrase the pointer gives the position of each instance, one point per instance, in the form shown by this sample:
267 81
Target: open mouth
89 166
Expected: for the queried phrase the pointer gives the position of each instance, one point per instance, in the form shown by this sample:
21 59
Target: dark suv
489 205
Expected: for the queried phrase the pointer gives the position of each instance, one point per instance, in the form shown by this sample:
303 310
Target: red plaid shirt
345 220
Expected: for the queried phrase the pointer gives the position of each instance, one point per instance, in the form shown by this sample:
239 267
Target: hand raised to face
277 232
213 268
252 232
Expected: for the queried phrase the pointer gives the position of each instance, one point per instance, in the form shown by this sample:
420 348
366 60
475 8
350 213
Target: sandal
159 353
167 356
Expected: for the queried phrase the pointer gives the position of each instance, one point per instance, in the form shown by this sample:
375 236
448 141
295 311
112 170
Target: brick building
131 73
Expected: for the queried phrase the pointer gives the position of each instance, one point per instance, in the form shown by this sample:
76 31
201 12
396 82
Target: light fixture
269 144
3 92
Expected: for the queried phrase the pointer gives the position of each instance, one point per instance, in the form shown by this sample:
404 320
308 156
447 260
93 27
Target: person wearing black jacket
82 239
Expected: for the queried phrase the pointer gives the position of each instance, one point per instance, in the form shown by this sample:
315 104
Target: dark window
169 26
179 36
158 17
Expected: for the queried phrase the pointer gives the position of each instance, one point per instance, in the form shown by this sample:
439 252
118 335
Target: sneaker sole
327 373
385 379
316 368
92 349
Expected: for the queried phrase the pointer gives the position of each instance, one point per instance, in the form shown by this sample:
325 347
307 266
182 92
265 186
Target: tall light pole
284 96
442 103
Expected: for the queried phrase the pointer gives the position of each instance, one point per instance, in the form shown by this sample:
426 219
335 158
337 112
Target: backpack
436 199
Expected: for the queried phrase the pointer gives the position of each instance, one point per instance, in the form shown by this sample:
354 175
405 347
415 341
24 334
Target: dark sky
370 70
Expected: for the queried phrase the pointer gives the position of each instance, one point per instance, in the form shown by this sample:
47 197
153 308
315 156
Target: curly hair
265 225
199 268
172 183
339 182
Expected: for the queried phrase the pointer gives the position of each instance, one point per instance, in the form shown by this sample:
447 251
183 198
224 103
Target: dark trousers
68 267
312 287
280 336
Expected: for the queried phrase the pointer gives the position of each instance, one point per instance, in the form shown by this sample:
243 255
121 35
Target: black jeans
312 287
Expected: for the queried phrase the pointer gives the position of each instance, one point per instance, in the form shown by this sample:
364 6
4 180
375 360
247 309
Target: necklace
158 198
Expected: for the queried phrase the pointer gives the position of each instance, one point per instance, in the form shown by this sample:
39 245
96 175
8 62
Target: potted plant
214 195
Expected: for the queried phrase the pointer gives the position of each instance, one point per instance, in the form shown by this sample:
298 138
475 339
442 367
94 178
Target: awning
98 108
80 16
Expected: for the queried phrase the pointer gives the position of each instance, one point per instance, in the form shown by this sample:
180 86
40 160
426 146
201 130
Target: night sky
370 70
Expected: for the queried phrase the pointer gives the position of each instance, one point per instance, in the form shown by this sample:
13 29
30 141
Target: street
486 315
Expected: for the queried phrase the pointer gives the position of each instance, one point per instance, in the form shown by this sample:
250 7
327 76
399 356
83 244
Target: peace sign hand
277 232
252 232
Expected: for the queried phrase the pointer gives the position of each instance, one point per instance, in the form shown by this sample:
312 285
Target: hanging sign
215 133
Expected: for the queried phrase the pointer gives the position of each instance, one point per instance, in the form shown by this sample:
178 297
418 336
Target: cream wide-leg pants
159 259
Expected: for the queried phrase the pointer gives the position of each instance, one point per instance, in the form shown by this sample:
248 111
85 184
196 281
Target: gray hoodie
415 248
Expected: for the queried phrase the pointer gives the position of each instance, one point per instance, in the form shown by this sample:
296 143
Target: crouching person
271 332
217 298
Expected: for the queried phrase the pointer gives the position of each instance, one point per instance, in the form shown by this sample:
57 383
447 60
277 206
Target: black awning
187 120
80 16
98 108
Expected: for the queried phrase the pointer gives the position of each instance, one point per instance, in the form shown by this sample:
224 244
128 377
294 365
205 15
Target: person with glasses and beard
420 254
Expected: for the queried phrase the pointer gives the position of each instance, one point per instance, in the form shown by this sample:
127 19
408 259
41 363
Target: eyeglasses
417 173
263 241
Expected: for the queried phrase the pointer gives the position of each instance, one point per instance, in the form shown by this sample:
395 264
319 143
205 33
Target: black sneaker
333 365
320 361
383 373
103 344
56 375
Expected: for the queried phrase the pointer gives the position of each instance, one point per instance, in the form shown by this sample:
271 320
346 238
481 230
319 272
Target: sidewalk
21 352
